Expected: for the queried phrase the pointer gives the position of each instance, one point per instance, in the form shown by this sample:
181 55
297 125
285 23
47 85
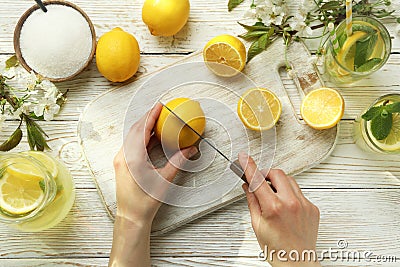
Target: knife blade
234 165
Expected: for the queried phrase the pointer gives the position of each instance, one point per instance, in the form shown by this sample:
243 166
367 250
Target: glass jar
362 130
336 62
36 190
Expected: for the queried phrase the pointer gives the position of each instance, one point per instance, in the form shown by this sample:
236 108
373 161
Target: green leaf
42 185
372 113
393 108
12 141
12 62
263 41
364 49
2 172
258 26
398 20
36 135
331 5
253 34
254 50
382 125
233 3
363 28
369 65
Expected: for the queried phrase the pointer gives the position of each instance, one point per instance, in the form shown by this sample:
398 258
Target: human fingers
176 162
139 134
252 203
263 191
153 143
280 182
296 187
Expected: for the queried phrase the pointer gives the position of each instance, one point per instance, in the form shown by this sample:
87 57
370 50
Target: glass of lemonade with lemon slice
361 54
377 129
36 190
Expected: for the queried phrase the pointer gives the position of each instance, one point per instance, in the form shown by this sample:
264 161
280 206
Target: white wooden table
358 194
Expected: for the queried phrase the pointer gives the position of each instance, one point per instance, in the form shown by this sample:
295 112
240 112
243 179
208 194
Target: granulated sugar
56 44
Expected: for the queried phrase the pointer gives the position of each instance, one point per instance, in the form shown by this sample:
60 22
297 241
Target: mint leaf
233 3
382 125
42 185
369 65
363 28
372 113
364 49
2 172
393 108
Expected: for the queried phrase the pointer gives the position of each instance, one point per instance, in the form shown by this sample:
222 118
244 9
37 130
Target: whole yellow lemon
117 55
172 132
165 17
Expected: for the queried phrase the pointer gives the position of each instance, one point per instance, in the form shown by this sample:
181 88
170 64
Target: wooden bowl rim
17 33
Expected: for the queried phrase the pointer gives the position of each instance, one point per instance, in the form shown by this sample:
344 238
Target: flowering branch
39 100
273 20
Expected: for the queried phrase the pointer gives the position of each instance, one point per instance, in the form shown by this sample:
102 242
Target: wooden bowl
17 33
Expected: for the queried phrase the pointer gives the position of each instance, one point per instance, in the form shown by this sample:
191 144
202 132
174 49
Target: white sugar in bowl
57 44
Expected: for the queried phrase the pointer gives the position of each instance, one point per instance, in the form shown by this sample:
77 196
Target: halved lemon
225 55
259 109
46 160
322 108
20 195
392 141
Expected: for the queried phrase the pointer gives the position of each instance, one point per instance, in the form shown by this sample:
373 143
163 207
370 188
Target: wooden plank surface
204 16
358 194
225 233
177 262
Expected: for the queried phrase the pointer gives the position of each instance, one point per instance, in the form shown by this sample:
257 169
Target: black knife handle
238 170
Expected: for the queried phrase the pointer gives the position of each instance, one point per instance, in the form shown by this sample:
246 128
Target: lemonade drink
364 137
36 190
359 55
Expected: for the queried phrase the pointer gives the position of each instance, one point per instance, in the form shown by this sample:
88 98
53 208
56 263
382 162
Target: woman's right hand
282 220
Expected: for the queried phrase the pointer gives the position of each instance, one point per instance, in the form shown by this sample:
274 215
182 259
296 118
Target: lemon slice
322 108
225 55
348 51
23 168
259 109
46 160
20 195
392 141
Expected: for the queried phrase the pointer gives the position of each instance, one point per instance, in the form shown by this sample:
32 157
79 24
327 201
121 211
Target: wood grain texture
101 130
177 262
357 96
106 15
367 218
224 234
347 167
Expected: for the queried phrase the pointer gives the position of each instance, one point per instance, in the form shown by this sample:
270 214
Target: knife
234 165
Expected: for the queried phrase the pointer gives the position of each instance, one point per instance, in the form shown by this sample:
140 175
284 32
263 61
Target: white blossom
47 107
25 108
268 11
50 90
298 24
28 81
2 120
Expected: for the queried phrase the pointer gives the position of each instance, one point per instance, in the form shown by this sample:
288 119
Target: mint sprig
381 118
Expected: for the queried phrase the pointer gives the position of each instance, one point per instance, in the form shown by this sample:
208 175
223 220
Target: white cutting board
298 147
